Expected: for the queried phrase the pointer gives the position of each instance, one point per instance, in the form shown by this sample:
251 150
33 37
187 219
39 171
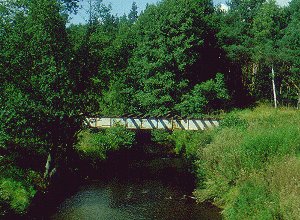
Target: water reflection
134 198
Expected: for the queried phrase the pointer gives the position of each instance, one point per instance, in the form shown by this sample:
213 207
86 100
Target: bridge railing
153 123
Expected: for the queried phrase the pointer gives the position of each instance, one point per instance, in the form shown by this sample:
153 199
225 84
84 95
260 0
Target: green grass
251 165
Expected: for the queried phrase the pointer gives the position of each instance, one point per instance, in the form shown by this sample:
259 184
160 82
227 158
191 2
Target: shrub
17 188
233 120
190 143
161 137
15 194
96 144
187 143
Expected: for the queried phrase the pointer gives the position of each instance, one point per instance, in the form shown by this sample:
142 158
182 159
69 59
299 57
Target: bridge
152 123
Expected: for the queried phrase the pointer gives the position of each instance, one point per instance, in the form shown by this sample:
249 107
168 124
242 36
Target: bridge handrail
153 123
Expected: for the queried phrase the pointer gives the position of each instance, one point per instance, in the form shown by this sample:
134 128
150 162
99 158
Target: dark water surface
128 186
144 199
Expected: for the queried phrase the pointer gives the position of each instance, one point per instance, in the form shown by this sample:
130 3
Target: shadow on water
144 182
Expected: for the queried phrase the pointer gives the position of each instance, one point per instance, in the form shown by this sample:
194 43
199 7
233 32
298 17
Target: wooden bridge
153 123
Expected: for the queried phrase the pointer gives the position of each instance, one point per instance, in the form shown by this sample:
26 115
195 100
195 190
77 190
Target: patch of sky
121 7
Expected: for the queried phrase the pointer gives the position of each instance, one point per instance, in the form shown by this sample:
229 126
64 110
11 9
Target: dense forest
184 58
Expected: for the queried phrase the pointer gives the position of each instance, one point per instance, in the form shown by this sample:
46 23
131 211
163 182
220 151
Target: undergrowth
17 187
95 144
250 165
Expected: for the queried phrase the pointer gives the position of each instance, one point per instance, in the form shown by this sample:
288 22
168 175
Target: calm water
136 199
128 187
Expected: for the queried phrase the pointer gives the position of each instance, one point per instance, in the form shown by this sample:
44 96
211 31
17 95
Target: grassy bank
250 165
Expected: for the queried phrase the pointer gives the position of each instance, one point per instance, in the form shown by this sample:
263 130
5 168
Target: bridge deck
153 123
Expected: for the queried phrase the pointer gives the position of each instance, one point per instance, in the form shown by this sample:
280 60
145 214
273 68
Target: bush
187 143
96 144
190 143
17 188
15 195
232 120
161 137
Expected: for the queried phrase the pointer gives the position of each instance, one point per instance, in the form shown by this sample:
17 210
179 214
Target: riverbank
143 182
250 165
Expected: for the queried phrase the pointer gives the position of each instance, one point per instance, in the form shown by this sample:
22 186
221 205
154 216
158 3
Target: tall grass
251 167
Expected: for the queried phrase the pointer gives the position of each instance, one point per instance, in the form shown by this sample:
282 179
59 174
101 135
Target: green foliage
161 137
160 62
15 194
190 143
101 52
38 106
250 33
113 100
133 14
169 37
204 97
96 144
290 50
37 100
16 122
17 188
232 120
252 201
145 64
244 166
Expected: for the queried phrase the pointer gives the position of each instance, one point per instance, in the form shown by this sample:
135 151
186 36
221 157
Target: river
128 187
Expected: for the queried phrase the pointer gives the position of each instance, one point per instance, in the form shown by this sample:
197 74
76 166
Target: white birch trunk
47 166
298 103
274 87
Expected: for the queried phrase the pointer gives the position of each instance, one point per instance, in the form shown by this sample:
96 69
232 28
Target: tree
40 111
236 38
133 14
170 49
290 51
266 32
205 97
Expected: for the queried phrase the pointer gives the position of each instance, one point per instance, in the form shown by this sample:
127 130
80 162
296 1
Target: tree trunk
47 166
274 87
48 171
298 103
